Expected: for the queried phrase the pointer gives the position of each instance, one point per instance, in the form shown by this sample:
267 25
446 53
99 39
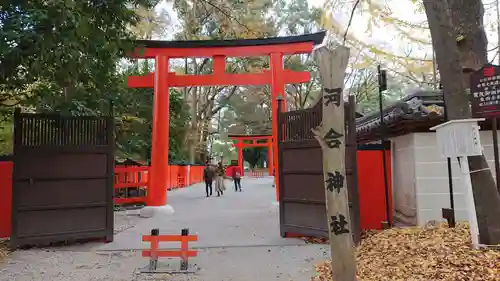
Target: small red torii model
254 138
162 79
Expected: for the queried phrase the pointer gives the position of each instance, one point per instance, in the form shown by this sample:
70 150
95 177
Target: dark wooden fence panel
62 179
302 194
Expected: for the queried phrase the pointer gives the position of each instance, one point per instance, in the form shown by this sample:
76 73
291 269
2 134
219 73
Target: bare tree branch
228 15
350 20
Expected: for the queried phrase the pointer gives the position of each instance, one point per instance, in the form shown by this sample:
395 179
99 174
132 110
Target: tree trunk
467 50
203 140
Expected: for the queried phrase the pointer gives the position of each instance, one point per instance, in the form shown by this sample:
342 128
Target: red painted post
6 198
277 89
270 156
240 154
157 193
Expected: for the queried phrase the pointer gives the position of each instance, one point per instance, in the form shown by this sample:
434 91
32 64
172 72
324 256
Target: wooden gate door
62 179
302 194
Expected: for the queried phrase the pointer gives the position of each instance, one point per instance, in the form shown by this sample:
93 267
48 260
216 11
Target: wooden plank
120 201
352 171
263 78
142 184
168 254
331 137
228 51
170 238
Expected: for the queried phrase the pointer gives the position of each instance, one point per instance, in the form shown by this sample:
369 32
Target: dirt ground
249 251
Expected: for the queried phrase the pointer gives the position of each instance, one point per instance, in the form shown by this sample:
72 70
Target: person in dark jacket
236 175
208 177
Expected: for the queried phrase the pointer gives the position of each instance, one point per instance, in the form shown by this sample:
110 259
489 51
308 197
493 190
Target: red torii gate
162 79
254 138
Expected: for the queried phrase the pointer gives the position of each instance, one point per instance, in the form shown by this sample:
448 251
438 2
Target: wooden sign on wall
485 92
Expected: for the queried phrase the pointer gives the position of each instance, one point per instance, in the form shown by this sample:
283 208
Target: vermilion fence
136 178
256 174
126 177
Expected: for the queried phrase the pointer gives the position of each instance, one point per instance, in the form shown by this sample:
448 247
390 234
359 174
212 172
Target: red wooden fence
256 174
137 177
370 180
5 197
125 177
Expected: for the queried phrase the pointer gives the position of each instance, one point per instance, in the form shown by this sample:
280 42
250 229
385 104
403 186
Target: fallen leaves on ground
321 240
414 254
4 249
315 240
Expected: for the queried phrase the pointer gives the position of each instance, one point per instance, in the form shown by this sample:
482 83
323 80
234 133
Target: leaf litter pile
414 254
4 249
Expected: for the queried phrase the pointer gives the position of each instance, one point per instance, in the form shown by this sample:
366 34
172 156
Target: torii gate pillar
158 179
277 89
239 146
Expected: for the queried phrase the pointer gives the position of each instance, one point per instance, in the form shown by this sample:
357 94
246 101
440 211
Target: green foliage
65 42
224 19
62 56
254 156
297 17
57 52
226 149
249 111
134 111
6 136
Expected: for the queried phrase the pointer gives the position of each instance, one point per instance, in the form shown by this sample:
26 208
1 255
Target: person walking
274 177
219 179
208 176
236 175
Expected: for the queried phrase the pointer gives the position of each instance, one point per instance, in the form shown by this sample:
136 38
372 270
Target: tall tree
133 115
248 112
298 17
66 56
460 42
67 47
210 20
254 156
151 23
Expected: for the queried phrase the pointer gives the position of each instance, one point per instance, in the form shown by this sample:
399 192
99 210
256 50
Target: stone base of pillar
275 205
151 211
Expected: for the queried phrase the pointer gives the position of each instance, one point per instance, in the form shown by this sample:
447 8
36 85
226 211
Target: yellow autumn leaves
428 253
377 14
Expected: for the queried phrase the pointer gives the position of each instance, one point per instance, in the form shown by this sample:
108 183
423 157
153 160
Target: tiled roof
417 112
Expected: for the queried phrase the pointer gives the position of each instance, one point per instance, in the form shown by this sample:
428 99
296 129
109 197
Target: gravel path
124 221
244 260
284 263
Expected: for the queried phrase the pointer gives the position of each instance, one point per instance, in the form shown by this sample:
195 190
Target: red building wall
371 186
5 198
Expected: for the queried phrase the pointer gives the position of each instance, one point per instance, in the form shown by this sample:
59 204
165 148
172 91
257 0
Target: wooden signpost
331 136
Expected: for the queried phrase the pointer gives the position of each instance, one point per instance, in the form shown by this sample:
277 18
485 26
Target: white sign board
459 138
